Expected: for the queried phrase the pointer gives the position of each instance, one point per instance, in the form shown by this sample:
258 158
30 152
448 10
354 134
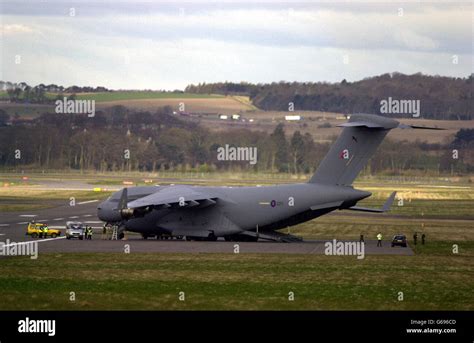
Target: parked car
400 240
41 230
75 230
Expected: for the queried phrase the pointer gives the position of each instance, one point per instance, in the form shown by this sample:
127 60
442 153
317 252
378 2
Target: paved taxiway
137 244
13 228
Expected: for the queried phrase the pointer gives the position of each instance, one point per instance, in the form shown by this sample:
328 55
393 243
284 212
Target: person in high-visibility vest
104 232
46 229
379 240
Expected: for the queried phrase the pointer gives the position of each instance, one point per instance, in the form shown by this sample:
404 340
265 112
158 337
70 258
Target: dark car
400 240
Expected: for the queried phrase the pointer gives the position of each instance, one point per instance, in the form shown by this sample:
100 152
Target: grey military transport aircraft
252 213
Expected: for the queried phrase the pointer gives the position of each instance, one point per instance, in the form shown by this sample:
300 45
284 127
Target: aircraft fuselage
236 209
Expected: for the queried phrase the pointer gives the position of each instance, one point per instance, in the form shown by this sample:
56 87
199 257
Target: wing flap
326 205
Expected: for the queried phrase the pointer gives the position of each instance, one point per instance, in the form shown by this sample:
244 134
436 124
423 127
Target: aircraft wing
181 196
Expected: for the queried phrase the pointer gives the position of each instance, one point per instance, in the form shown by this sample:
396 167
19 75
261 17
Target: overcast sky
169 45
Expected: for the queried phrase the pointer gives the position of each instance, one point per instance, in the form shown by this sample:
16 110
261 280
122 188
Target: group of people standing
415 238
380 237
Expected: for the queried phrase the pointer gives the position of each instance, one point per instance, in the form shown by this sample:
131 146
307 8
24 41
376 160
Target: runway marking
4 224
28 215
87 215
455 187
56 219
39 240
93 222
63 228
86 202
22 223
42 220
74 217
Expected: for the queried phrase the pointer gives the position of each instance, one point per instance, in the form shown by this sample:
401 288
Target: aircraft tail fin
359 140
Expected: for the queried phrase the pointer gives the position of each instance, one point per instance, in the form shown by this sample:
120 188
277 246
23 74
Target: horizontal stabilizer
384 208
405 126
361 124
370 125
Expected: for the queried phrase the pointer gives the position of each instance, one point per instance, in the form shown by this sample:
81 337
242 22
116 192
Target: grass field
127 95
430 281
144 100
139 95
433 279
430 198
197 104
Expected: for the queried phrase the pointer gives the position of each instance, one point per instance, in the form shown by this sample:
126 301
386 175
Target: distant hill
440 97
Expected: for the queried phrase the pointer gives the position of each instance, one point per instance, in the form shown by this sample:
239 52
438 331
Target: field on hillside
150 101
321 125
224 105
126 95
139 95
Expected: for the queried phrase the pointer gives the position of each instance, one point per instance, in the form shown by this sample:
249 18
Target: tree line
440 97
47 94
43 94
120 139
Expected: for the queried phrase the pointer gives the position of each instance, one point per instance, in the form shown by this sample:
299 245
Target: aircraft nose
106 213
100 212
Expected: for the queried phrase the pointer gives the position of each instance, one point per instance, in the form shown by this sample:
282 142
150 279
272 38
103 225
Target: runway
13 228
13 224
